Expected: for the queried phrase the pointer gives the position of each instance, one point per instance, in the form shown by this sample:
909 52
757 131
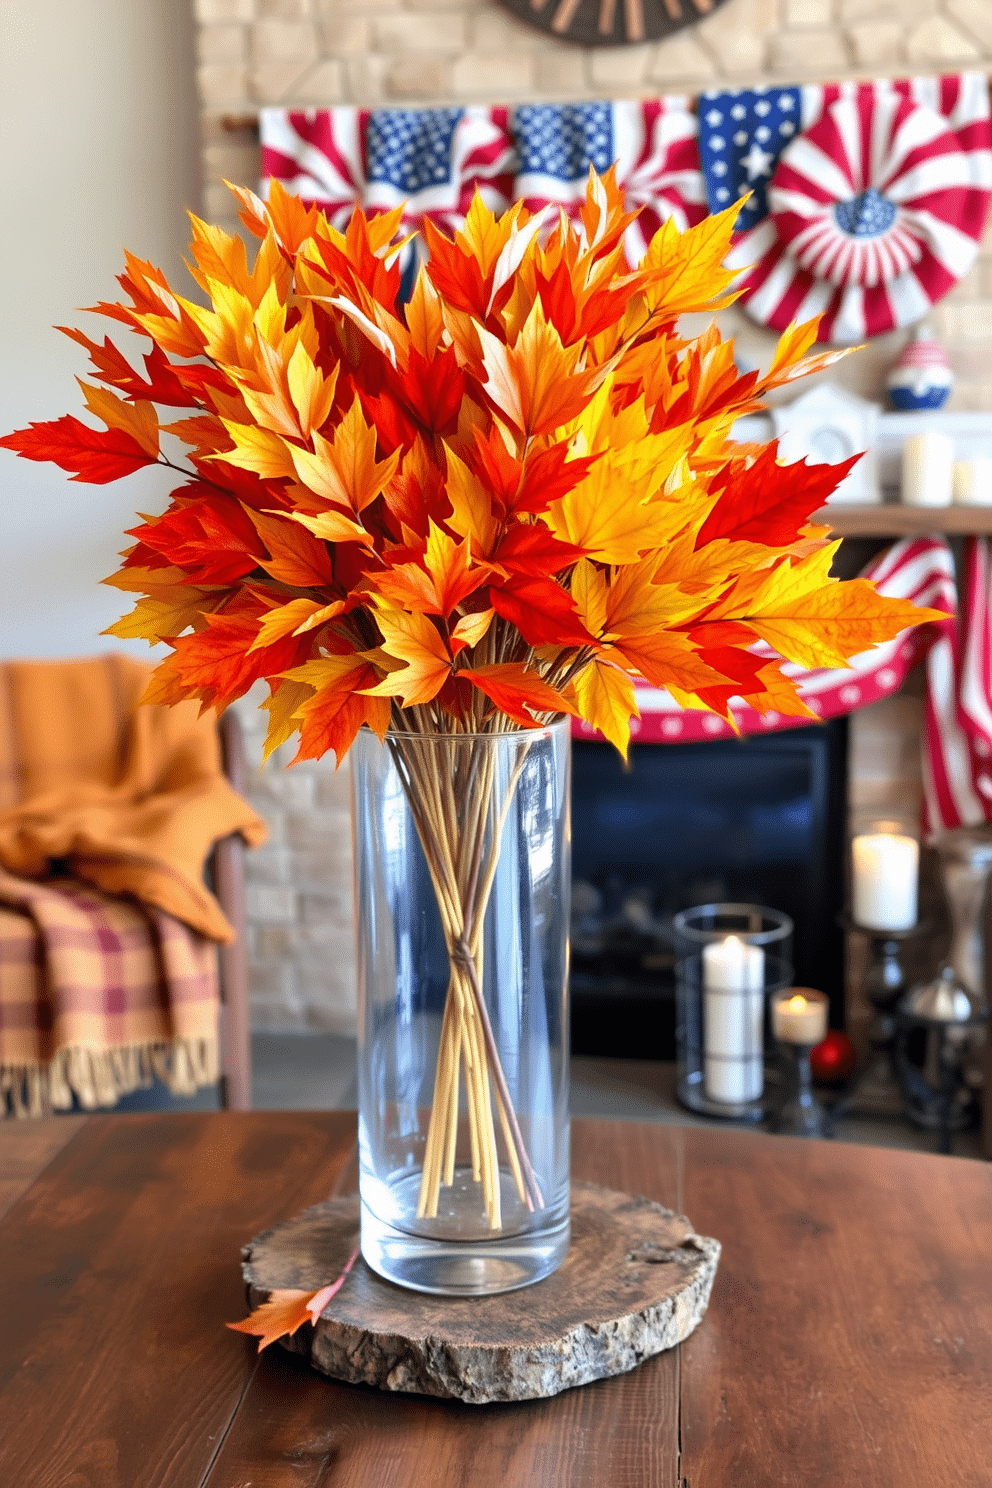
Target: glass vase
461 892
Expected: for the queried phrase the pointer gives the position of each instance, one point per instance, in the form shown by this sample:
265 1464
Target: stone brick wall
312 53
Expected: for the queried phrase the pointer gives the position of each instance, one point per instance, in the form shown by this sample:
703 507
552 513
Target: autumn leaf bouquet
502 502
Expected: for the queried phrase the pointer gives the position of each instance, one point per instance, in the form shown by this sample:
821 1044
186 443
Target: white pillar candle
800 1016
973 482
886 874
927 469
733 1015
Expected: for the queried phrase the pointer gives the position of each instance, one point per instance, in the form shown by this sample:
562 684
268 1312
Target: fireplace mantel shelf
893 520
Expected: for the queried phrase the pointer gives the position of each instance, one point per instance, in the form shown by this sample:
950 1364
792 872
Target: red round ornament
833 1059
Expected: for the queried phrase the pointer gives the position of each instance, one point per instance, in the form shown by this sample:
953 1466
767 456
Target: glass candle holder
730 959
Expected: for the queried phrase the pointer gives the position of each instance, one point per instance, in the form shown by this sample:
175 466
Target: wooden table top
848 1340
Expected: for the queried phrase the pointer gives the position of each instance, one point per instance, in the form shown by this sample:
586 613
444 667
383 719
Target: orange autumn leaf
285 1310
294 556
413 639
518 692
537 384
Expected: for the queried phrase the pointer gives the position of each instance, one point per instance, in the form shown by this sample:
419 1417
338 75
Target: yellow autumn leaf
588 589
283 707
816 621
256 449
472 513
312 393
159 617
685 269
605 698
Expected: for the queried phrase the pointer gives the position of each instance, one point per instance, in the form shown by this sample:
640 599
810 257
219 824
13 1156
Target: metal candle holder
801 1115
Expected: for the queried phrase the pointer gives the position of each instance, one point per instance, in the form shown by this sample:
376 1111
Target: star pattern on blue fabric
741 136
411 148
562 140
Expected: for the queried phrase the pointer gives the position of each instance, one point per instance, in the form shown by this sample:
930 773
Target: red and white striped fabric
654 146
920 569
431 161
876 210
957 723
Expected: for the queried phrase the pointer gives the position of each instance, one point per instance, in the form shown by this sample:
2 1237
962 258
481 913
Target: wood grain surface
848 1338
26 1149
890 519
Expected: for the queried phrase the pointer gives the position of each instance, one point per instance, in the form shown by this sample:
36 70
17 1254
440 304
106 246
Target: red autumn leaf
769 503
163 385
456 275
218 665
205 533
518 693
95 456
548 476
533 551
432 390
542 612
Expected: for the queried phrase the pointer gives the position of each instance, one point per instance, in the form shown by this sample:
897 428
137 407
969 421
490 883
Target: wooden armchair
228 875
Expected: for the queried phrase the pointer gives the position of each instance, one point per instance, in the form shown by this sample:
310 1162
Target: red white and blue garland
868 200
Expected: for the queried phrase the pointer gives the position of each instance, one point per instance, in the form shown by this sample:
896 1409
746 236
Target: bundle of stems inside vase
454 797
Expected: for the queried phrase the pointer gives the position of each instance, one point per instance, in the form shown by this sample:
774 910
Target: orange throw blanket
130 800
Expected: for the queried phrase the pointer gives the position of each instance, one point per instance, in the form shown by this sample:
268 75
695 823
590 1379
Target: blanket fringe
97 1078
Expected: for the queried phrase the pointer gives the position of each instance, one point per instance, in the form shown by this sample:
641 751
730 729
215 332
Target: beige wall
98 120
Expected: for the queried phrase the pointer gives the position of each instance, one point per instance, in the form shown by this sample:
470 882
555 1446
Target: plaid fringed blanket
98 995
108 810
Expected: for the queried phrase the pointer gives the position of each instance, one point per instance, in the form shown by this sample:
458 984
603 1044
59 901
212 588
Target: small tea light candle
927 466
733 1007
886 873
800 1016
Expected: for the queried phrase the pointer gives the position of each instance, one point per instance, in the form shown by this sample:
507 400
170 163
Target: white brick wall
378 52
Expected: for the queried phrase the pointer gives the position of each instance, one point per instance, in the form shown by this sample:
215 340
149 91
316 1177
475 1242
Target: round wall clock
610 22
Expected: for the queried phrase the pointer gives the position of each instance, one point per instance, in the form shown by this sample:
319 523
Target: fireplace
759 820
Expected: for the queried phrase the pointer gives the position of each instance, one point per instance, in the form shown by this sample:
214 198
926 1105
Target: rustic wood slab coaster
637 1279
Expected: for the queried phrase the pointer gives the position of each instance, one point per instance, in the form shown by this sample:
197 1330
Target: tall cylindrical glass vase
461 892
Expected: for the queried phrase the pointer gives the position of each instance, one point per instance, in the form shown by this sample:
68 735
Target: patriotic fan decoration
875 211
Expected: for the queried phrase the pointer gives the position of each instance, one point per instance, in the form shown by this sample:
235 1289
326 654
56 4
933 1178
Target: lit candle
800 1017
927 466
733 1008
886 872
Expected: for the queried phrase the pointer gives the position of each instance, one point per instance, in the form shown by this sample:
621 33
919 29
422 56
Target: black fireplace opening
758 820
